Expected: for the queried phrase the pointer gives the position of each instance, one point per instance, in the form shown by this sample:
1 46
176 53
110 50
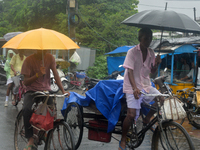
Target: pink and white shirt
141 71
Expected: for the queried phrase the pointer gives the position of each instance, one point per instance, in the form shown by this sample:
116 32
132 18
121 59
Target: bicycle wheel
194 118
74 117
60 137
71 77
71 86
174 136
19 135
15 100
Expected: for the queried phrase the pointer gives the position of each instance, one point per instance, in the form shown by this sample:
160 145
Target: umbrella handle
43 58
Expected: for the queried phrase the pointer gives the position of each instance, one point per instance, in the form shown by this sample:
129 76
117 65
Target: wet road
8 115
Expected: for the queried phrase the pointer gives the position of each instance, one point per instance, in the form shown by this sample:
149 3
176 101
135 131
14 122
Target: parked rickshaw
103 110
170 60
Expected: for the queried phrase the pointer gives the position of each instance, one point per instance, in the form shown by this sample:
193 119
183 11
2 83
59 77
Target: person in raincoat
10 54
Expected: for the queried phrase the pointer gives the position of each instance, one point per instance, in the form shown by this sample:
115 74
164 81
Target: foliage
24 15
100 27
99 70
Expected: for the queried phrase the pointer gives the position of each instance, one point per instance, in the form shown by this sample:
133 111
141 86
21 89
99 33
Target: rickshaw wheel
74 117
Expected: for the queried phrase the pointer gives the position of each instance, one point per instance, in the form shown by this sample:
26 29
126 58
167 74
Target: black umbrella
163 20
10 35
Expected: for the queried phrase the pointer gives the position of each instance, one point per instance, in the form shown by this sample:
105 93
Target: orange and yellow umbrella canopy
41 39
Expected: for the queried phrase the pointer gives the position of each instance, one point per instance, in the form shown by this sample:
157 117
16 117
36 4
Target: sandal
120 146
33 147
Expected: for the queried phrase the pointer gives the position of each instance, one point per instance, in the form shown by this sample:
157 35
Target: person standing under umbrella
140 61
36 71
10 54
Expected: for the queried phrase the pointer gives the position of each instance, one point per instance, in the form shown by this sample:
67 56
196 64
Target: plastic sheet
106 95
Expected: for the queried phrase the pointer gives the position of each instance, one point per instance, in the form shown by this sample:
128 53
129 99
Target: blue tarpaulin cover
122 49
114 62
106 95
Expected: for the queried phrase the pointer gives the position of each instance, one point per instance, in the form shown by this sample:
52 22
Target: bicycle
60 137
76 79
167 135
189 98
21 92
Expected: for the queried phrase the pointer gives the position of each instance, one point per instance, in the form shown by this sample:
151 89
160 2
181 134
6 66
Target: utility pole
71 11
166 6
194 13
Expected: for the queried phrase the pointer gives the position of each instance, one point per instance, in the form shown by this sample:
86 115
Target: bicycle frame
158 118
22 90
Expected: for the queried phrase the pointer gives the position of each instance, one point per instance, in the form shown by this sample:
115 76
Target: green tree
100 27
99 70
24 15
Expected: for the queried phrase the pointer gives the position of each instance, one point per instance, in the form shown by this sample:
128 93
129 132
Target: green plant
99 70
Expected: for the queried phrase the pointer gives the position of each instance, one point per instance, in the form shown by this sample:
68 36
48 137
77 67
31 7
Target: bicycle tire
15 100
177 137
74 117
71 77
71 86
19 134
60 137
194 121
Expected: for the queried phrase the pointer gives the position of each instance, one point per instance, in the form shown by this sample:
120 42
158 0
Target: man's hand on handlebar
136 93
67 93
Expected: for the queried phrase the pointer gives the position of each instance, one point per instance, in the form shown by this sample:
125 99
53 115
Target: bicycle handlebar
51 95
154 95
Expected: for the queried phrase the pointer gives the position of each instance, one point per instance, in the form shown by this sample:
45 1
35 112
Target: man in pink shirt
37 78
140 61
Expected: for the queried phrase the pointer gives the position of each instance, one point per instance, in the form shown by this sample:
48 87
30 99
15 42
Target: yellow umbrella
41 39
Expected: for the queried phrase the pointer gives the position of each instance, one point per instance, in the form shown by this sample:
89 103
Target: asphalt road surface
8 115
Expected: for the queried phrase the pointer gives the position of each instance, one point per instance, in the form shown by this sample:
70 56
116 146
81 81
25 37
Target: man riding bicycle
15 65
140 61
36 71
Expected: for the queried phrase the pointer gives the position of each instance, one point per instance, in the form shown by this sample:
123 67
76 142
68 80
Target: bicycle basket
43 117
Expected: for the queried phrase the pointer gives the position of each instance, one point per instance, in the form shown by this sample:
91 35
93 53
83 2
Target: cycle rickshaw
105 117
